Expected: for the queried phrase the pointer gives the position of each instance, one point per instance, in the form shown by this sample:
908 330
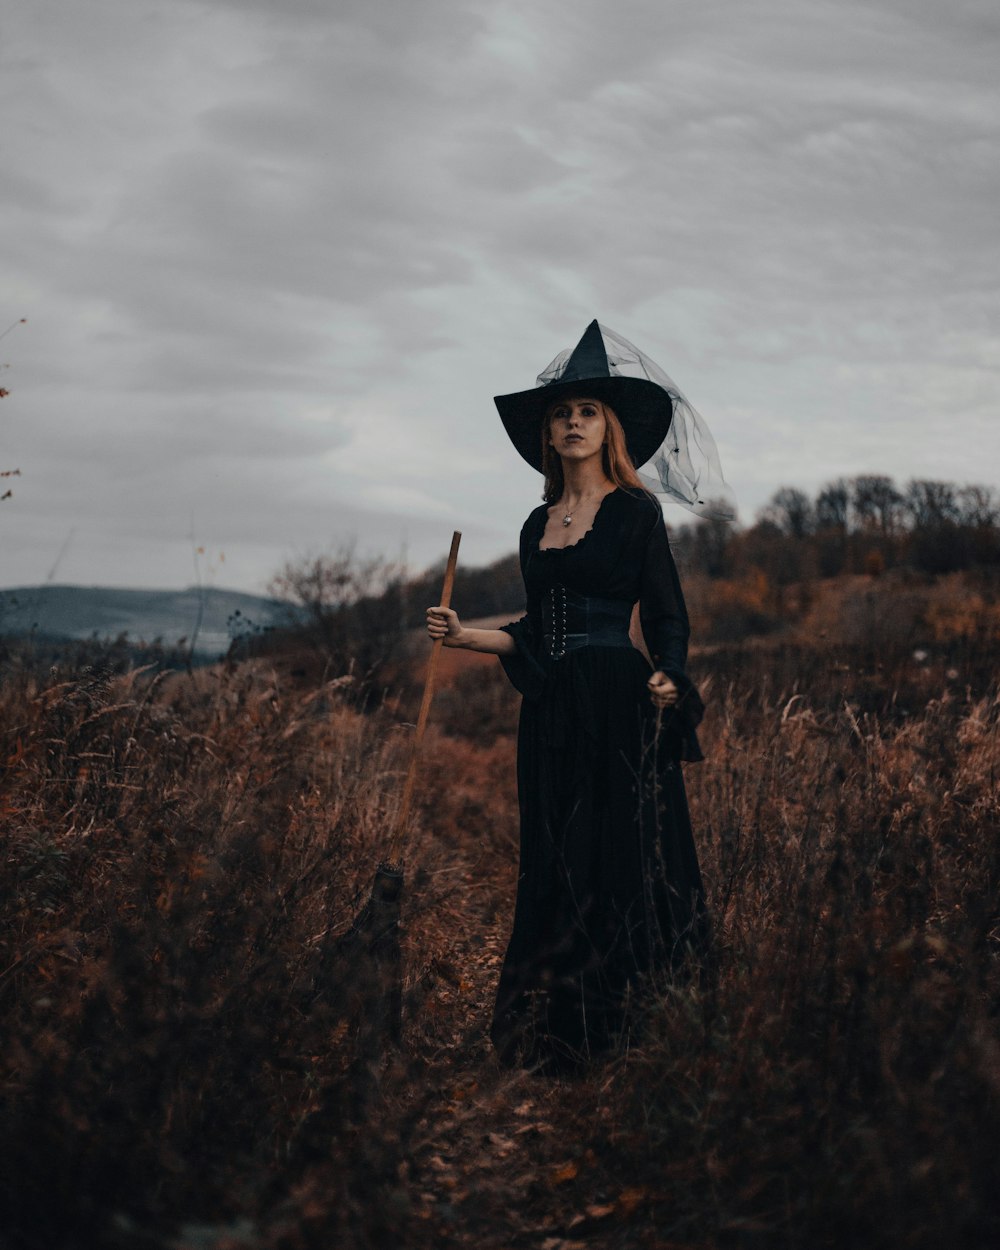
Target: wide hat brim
643 408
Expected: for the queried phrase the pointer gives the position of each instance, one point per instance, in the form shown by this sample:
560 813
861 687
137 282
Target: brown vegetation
860 524
864 562
184 1063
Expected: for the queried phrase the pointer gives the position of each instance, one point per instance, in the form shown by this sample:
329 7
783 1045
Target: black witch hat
643 407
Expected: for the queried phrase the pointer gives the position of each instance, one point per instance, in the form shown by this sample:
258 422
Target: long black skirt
609 891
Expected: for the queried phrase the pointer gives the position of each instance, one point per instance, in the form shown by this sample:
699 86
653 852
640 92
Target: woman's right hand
444 623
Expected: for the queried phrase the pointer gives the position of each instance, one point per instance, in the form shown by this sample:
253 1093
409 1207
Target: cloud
277 259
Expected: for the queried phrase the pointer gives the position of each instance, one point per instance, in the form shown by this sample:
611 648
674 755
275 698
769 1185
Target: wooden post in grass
406 801
374 936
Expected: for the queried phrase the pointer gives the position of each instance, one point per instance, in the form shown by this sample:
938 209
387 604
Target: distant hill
170 616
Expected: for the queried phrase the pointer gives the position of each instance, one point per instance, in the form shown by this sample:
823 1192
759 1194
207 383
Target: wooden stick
425 706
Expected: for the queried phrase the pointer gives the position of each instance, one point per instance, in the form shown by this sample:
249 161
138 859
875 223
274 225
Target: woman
609 889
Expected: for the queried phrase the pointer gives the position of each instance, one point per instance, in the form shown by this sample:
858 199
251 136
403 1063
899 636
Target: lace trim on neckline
583 537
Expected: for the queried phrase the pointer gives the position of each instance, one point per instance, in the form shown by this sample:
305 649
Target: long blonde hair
614 457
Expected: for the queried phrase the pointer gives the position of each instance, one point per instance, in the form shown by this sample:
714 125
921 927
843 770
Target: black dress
609 888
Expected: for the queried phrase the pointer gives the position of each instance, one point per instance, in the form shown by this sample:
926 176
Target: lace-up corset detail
571 621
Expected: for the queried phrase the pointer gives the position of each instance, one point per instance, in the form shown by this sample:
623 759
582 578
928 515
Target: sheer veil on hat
686 465
667 437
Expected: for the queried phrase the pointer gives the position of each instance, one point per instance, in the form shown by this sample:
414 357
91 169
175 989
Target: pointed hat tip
589 358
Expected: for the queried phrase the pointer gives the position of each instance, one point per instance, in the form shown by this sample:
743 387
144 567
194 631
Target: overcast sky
277 256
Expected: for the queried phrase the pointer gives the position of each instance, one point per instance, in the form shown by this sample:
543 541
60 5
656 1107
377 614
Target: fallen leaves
502 1145
567 1172
593 1214
629 1200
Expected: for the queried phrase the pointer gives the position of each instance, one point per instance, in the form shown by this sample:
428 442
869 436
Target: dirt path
498 1158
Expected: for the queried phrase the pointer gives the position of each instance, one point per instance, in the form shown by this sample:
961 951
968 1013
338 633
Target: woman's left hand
662 691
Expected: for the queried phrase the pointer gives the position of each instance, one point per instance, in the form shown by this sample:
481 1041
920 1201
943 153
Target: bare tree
931 505
978 507
791 510
352 608
876 502
710 544
833 505
7 492
326 584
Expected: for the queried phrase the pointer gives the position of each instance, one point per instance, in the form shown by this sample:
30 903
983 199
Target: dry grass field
185 1065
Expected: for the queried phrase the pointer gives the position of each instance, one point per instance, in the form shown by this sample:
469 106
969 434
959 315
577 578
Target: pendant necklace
568 516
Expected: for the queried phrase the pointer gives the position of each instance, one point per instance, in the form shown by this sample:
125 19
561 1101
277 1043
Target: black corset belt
572 621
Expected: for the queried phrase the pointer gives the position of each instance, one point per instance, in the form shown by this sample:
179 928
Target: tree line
863 524
356 612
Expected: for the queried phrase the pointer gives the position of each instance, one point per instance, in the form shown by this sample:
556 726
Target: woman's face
577 427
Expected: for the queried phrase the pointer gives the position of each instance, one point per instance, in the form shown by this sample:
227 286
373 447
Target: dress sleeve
665 628
526 674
